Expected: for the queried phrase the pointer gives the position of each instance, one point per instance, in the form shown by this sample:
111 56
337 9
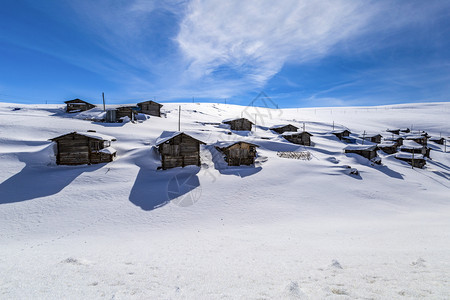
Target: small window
95 145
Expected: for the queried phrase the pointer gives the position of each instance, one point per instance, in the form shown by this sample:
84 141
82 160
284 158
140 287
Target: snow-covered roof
409 155
288 133
386 144
281 126
408 144
234 119
168 135
340 131
226 144
360 147
414 137
94 135
108 150
436 138
370 135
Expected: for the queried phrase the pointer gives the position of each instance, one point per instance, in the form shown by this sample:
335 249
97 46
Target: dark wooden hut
388 147
238 152
77 105
300 138
398 140
374 137
284 128
393 131
367 151
79 148
405 130
150 107
341 133
438 140
178 149
416 160
239 124
411 146
118 114
421 139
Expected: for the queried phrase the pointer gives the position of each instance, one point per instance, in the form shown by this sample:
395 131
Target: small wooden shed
79 148
405 130
367 151
372 137
398 140
150 107
238 152
437 140
394 131
118 114
341 133
239 124
421 139
284 128
77 105
178 149
411 146
388 147
416 160
300 138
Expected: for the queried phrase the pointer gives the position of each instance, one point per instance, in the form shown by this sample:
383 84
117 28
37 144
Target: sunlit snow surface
281 229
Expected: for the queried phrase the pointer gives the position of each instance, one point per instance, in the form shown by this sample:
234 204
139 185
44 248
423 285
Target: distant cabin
416 160
388 147
178 149
367 151
393 131
437 140
284 128
374 138
398 140
411 146
79 148
117 114
238 152
77 105
341 133
151 108
300 138
405 130
421 139
239 124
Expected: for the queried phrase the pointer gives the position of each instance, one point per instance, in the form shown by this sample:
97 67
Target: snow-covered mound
334 224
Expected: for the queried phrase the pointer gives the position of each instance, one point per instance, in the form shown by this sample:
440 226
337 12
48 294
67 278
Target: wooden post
333 125
412 160
364 135
179 118
103 96
303 126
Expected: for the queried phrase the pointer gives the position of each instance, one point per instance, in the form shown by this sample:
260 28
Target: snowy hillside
281 229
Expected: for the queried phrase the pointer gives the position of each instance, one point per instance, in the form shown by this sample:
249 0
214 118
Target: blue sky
301 53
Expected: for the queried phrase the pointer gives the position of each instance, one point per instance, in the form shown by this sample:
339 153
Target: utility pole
412 160
303 126
103 96
364 136
333 125
179 118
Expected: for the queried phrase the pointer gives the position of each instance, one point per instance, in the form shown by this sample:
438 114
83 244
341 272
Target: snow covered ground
282 229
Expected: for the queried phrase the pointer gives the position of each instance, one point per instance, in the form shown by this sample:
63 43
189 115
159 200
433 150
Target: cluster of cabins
179 149
406 146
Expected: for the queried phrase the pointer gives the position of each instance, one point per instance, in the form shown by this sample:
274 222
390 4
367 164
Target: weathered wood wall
286 128
150 108
240 154
75 149
369 154
240 125
300 139
180 151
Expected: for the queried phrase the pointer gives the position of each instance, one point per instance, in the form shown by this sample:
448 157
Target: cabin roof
409 155
150 102
92 135
392 129
386 144
227 144
436 138
290 133
76 101
168 135
361 147
371 135
414 137
108 150
235 119
340 131
281 126
409 144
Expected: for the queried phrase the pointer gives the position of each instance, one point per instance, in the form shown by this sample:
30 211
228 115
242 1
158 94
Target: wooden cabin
300 138
416 160
341 133
118 114
388 147
239 124
367 151
150 107
77 105
284 128
374 138
438 140
411 146
421 139
393 131
238 152
398 140
178 149
405 130
79 148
